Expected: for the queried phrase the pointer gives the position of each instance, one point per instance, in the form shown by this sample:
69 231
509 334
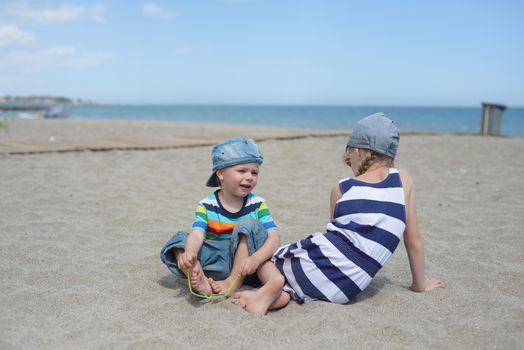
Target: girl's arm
334 197
414 242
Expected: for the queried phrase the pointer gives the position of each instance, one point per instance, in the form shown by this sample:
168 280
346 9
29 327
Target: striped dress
369 222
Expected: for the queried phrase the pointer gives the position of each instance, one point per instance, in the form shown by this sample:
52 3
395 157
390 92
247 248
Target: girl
370 214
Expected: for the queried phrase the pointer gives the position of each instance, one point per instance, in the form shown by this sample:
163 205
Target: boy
233 232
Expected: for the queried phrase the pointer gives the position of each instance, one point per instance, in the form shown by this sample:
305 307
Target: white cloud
63 13
12 36
35 60
89 60
21 53
66 56
154 10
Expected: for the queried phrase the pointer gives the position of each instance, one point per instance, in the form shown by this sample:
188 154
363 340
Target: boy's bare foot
222 287
199 282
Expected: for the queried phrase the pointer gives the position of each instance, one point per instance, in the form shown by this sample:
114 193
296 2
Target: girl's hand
430 284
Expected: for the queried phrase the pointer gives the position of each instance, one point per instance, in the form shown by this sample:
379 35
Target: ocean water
416 119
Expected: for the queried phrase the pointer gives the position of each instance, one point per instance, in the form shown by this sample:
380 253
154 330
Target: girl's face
239 180
351 158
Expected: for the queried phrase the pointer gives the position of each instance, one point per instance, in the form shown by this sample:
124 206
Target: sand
81 234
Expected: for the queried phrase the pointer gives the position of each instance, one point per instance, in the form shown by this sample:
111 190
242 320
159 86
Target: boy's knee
247 226
251 231
170 251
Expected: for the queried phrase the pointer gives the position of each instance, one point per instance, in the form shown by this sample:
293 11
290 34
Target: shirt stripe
218 223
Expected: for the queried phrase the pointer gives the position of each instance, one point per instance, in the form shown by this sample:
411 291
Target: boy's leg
247 237
269 297
234 277
177 242
199 281
169 256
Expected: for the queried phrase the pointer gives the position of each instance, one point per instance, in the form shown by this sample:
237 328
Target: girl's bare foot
269 296
252 302
199 282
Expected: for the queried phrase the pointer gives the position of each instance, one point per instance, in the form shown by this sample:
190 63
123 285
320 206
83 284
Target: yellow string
230 289
205 295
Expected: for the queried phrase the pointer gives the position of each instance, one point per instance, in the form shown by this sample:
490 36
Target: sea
340 118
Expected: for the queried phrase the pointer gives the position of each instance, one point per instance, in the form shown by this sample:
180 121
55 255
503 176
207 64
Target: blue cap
231 152
377 133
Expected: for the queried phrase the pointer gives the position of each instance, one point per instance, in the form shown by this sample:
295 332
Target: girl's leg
269 297
234 277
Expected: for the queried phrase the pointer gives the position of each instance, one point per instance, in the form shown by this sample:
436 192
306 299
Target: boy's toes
214 285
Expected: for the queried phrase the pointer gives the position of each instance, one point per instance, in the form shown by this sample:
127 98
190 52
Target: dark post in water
491 118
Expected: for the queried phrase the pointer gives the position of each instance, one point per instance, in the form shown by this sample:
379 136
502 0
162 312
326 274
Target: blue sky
330 52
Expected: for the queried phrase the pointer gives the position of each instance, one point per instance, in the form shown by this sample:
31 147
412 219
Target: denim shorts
216 256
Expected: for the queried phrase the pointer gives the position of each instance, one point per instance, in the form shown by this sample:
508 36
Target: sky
284 52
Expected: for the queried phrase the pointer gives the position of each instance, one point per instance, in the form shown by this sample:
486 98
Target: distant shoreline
413 119
31 136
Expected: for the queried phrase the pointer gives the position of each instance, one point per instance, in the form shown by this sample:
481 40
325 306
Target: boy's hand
186 260
249 266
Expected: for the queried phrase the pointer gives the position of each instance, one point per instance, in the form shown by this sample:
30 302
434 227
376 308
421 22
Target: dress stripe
373 233
369 222
356 256
363 206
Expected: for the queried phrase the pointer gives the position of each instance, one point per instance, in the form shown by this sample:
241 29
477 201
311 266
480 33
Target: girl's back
369 220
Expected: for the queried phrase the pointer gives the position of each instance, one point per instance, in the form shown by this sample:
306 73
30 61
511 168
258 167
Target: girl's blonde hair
368 158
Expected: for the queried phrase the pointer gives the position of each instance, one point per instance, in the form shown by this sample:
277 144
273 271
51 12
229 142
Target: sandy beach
82 230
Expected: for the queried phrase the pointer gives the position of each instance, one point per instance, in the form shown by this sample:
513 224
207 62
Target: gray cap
377 133
231 152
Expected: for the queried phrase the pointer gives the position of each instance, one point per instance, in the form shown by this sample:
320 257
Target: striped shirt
218 223
369 222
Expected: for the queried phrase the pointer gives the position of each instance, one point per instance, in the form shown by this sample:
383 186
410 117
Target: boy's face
239 180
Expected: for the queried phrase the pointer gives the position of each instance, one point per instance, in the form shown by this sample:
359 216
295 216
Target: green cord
205 295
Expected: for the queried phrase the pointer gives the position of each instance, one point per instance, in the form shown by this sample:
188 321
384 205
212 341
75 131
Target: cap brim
212 181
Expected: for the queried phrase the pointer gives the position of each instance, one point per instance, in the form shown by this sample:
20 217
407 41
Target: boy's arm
251 263
414 242
269 247
189 257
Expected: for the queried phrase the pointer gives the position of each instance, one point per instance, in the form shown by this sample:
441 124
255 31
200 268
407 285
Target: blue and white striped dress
369 222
